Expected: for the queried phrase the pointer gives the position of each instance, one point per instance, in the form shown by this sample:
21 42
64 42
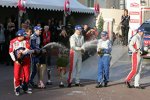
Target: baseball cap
21 32
78 27
140 29
37 28
104 33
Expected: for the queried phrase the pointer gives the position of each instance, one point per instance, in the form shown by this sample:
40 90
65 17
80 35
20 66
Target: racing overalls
104 60
15 47
35 45
136 45
76 42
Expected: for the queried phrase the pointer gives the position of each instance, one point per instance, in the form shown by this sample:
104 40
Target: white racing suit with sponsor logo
136 45
76 42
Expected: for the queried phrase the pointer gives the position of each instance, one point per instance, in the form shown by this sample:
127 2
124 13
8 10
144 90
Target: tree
100 24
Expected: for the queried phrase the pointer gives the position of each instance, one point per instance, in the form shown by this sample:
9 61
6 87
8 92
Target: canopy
55 5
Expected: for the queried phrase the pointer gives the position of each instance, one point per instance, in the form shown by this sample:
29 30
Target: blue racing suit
104 60
35 45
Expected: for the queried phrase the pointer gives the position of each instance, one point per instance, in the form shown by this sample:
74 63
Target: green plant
62 61
100 24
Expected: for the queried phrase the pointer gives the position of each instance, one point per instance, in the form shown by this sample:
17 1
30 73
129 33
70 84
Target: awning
54 5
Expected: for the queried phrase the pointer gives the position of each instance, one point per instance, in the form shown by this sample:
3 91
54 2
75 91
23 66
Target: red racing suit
22 76
24 67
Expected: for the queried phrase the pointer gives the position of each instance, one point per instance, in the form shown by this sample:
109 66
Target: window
90 3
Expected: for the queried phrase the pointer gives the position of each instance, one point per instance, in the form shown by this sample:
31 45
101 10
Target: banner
134 8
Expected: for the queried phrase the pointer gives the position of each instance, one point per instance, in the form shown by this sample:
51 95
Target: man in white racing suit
136 46
76 42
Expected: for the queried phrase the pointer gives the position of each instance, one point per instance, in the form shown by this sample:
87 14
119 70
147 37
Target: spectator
46 35
63 36
2 43
125 18
85 30
11 29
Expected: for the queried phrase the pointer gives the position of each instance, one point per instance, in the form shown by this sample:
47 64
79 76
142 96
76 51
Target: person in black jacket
125 18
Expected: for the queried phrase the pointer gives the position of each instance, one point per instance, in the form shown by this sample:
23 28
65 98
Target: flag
67 8
96 8
21 5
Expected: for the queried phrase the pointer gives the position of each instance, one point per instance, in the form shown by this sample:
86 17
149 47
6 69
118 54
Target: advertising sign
134 8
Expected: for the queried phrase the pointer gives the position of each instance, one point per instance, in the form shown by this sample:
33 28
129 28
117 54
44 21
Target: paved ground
115 91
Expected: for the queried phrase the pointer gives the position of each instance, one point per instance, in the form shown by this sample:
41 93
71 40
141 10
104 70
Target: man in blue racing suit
35 45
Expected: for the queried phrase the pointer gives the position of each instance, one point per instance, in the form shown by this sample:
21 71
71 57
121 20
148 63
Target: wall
114 14
82 2
146 15
112 3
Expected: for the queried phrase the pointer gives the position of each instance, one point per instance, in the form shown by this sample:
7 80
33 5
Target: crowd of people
22 47
57 33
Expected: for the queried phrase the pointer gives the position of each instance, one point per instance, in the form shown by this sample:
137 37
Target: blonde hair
46 27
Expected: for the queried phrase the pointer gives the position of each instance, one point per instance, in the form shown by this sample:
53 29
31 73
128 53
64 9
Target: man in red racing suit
18 51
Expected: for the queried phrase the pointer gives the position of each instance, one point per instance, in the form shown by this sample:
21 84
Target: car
146 26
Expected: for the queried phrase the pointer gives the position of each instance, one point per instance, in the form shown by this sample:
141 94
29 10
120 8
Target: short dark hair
126 10
28 29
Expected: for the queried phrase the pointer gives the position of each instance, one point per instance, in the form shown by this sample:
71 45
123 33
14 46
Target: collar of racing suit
36 35
78 36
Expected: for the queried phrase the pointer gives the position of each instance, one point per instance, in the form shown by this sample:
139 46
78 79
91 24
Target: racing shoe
139 87
49 82
17 93
78 84
32 84
99 85
128 84
105 84
69 85
61 85
28 92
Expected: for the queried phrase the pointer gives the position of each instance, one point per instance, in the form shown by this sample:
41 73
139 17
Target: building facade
90 3
103 3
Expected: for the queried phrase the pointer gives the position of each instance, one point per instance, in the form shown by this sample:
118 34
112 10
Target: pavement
116 90
90 65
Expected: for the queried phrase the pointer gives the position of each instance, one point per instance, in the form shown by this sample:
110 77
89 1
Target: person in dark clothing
2 43
84 31
125 18
63 36
41 67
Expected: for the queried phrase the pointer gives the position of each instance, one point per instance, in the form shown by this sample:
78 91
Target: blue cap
37 28
104 33
21 32
140 29
78 27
